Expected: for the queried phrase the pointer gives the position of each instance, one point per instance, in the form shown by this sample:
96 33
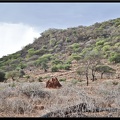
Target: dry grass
34 100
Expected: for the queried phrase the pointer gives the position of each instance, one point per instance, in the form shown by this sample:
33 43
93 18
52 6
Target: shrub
40 79
22 66
52 42
2 76
31 52
74 81
54 69
101 42
115 57
66 66
60 66
12 74
68 62
56 62
27 76
106 48
62 79
76 57
115 83
75 45
21 73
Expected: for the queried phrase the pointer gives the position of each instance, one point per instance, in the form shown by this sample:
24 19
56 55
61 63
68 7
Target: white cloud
14 36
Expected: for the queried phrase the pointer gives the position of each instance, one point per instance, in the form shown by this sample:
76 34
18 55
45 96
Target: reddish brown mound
54 83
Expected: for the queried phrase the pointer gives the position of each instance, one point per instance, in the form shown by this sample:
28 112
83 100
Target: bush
106 48
22 66
2 76
68 62
77 57
12 74
21 73
54 69
60 66
53 42
62 79
66 66
101 42
56 62
115 83
40 79
115 58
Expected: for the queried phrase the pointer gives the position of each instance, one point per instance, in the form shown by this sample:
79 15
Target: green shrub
52 42
101 42
56 62
76 57
68 62
60 66
106 48
54 68
12 74
22 65
75 45
115 57
40 79
66 66
62 79
31 52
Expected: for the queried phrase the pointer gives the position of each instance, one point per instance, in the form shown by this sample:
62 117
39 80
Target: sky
21 23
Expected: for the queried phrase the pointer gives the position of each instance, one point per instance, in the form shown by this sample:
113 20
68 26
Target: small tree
42 62
104 69
44 66
92 59
83 71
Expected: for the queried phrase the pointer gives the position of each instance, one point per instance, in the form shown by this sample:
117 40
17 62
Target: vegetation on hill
66 45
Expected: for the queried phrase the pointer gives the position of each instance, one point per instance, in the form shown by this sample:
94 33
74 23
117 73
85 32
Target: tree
43 61
83 71
92 59
44 66
104 69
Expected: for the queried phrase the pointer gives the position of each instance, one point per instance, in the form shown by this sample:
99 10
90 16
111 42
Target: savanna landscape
84 59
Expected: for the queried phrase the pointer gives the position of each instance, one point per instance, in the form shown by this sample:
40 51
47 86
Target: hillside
86 61
63 44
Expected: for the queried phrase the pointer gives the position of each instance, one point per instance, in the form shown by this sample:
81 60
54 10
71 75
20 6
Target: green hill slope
66 44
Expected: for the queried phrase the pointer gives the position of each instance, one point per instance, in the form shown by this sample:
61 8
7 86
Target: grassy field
34 100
